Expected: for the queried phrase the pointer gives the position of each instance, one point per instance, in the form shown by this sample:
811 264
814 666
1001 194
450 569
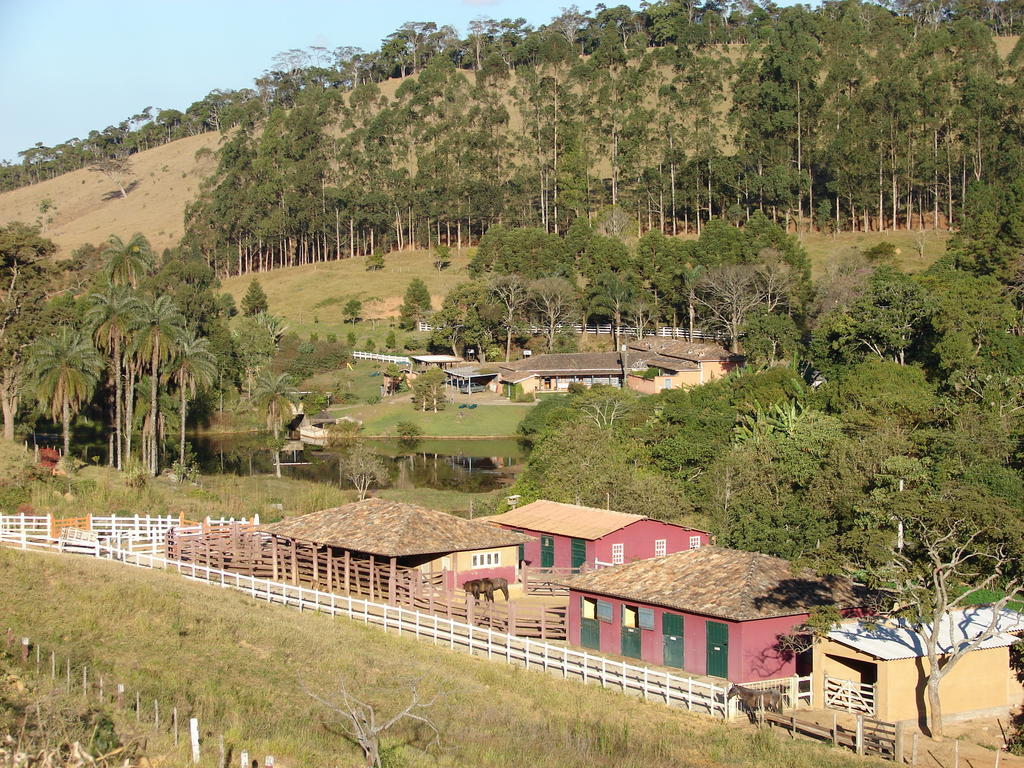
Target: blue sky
69 66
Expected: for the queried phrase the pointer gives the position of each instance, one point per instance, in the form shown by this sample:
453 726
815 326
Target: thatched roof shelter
392 529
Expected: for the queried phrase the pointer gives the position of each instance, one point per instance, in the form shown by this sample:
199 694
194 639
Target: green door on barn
672 638
718 649
631 645
590 634
579 553
547 551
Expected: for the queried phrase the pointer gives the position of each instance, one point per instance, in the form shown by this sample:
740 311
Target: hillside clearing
482 421
244 669
169 178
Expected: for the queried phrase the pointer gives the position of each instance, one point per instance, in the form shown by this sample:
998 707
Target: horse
474 587
755 702
488 586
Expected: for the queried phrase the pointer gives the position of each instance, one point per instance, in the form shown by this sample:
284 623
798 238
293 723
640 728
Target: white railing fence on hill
398 359
606 329
570 663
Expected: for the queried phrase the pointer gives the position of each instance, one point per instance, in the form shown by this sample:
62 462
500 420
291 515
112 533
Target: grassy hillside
244 668
311 297
86 212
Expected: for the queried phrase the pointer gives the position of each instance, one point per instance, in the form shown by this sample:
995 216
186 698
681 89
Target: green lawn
482 421
246 670
825 248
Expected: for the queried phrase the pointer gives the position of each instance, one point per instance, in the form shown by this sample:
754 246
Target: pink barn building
569 535
711 611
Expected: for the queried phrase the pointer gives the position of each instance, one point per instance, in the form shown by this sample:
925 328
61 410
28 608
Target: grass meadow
245 670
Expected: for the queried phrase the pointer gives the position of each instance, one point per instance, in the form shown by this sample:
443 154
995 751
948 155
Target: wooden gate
849 696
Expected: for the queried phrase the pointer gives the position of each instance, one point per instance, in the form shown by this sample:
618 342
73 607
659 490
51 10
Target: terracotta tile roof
672 363
566 519
569 362
393 529
725 583
688 350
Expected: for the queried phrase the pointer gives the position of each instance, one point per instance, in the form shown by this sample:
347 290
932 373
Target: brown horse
755 701
488 587
474 587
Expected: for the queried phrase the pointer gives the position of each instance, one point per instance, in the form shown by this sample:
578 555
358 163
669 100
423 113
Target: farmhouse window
630 616
695 542
660 547
618 554
646 618
486 559
588 609
604 610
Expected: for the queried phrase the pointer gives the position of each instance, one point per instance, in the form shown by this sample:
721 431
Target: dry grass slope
243 667
168 176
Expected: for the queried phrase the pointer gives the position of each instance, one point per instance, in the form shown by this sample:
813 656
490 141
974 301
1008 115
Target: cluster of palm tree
142 342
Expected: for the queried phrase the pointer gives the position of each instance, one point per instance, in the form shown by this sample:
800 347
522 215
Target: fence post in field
156 714
913 749
174 721
68 670
53 665
244 759
138 707
120 695
860 735
193 730
24 650
898 746
835 729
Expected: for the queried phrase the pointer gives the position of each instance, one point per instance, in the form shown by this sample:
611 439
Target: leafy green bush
408 430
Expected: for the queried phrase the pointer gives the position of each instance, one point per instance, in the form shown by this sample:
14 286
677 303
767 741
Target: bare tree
115 169
729 293
512 293
363 725
953 545
554 301
362 468
569 23
641 314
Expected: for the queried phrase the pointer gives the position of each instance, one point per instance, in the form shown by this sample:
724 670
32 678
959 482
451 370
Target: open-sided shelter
394 535
570 535
711 611
879 668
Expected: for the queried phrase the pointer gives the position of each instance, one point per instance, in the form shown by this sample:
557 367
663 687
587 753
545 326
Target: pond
470 466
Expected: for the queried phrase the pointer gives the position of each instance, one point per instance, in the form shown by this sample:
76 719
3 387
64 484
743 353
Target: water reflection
473 466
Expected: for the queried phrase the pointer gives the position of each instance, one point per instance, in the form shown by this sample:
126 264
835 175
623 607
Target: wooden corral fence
238 550
869 737
545 581
570 663
132 530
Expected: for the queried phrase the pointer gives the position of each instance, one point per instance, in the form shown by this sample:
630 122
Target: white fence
667 332
796 691
399 359
849 696
570 663
113 529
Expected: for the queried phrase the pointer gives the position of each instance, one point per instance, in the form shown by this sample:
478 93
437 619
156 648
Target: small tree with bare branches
364 725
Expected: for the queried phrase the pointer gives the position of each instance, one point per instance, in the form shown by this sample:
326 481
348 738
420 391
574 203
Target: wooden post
156 714
138 706
898 748
510 627
913 749
331 566
956 754
999 753
835 729
53 665
174 721
373 570
316 566
85 680
120 695
273 557
860 735
68 668
101 688
793 725
295 562
348 567
193 728
24 650
392 585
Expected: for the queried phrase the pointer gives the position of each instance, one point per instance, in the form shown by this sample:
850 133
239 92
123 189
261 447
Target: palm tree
113 314
127 262
195 366
275 395
65 368
160 328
